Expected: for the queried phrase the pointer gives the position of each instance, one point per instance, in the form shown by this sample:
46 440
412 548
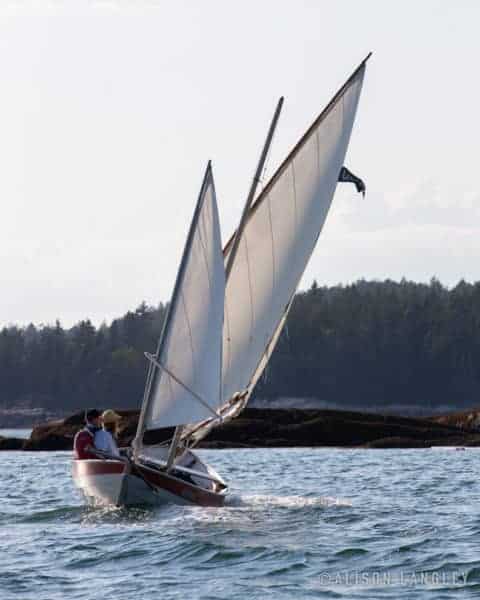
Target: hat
92 413
110 416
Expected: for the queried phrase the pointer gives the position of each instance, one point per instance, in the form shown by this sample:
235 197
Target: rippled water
300 523
15 433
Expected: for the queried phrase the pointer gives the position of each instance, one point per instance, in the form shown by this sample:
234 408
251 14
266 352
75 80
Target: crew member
105 438
83 444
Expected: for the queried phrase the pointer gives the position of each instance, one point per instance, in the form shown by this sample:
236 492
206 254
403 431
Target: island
266 428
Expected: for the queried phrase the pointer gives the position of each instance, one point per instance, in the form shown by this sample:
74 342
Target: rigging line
137 440
170 389
159 365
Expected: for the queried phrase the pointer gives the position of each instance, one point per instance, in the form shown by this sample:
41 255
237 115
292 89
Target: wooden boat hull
112 482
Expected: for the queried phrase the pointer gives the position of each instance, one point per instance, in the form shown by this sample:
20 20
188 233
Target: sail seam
190 336
250 290
269 202
226 350
170 385
294 188
205 258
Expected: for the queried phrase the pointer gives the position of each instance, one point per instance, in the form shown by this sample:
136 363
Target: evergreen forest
371 343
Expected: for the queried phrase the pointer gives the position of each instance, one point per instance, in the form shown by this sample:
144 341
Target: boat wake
264 501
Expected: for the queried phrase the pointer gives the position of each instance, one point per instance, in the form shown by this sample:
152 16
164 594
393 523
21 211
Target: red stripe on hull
97 467
189 492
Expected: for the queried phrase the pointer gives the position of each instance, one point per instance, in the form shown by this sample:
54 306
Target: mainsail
278 240
183 384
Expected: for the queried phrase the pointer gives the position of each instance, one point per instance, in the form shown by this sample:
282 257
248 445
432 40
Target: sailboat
225 316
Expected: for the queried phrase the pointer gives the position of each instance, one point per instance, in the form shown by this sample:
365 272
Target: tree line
370 343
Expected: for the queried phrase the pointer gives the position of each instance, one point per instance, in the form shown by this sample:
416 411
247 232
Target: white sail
278 239
184 386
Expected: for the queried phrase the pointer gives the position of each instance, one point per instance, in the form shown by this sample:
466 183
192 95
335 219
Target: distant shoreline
28 418
267 428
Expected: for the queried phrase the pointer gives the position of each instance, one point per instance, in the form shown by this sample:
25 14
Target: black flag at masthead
346 175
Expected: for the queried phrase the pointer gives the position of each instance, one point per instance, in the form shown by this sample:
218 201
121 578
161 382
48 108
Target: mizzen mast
253 189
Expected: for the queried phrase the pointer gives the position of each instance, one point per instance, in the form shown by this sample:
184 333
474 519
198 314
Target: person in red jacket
83 442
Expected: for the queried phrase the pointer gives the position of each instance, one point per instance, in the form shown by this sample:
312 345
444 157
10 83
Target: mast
153 369
253 189
173 446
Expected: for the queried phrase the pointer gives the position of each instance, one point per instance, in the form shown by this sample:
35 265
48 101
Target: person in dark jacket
83 444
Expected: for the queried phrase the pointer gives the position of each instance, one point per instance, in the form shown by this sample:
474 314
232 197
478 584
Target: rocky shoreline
284 428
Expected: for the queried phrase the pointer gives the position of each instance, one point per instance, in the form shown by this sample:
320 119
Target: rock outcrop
282 427
11 443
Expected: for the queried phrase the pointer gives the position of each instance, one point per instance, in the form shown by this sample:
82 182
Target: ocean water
299 523
16 433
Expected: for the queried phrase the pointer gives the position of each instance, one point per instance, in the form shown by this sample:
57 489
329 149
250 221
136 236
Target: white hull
124 490
111 482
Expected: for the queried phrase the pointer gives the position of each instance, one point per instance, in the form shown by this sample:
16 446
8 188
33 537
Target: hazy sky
109 112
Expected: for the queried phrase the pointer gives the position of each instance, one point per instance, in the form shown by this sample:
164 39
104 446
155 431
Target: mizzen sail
183 385
278 240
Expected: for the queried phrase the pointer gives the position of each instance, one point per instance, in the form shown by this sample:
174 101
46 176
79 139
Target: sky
109 112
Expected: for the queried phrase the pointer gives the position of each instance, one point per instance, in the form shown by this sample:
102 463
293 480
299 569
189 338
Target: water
300 523
16 433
